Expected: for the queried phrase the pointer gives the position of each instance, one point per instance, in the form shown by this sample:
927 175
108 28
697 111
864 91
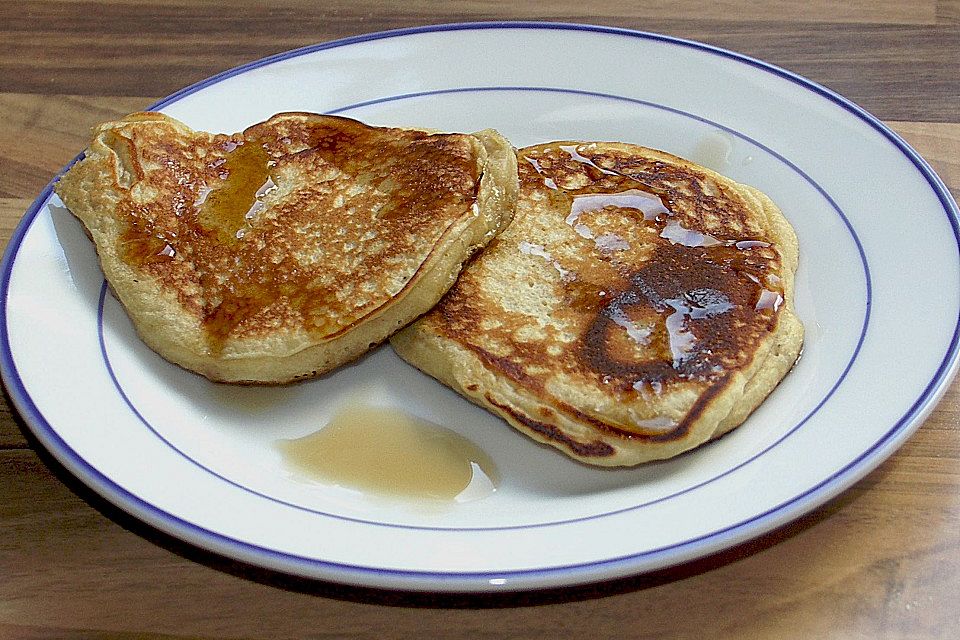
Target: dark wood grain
882 560
897 71
43 132
807 578
948 12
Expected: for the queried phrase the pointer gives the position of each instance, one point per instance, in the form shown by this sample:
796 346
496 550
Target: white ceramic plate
877 290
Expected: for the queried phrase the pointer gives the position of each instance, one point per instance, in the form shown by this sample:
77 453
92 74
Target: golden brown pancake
288 249
637 306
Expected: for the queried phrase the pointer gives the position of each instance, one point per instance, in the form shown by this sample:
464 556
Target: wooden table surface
880 561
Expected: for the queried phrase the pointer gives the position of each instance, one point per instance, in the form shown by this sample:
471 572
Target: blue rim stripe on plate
829 487
422 94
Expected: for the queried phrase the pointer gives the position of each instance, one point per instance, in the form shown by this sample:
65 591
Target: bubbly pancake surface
637 306
234 254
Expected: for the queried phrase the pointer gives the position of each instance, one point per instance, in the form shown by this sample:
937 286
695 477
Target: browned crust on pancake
669 272
595 449
644 299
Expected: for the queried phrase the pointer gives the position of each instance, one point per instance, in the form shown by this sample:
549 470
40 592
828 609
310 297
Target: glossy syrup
574 153
649 204
692 309
229 208
225 209
386 452
142 248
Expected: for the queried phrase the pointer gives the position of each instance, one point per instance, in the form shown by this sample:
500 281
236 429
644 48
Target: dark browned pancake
290 248
637 306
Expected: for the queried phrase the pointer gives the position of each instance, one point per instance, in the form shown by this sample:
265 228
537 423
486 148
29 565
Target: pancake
638 306
293 247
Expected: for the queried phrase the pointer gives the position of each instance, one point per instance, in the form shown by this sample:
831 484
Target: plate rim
486 580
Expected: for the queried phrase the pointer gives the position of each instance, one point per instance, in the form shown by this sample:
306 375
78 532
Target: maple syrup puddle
389 453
